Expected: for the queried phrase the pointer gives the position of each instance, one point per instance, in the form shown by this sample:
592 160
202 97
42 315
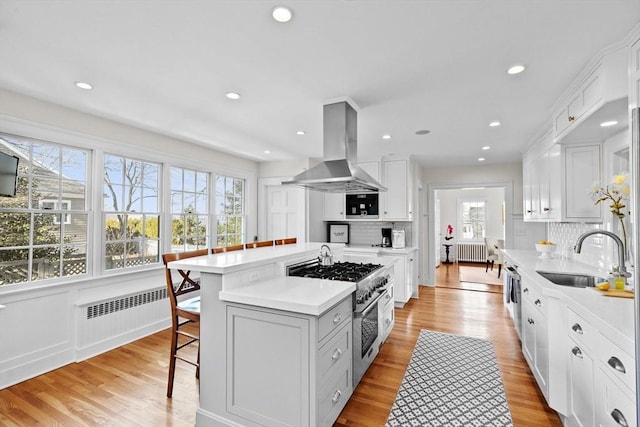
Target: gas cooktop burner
344 271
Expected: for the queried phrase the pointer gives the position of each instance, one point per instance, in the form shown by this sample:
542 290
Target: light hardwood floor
127 386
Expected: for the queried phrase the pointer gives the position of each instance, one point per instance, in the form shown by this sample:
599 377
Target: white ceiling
408 64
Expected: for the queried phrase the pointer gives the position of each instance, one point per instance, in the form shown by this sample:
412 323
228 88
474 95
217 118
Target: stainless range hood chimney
338 172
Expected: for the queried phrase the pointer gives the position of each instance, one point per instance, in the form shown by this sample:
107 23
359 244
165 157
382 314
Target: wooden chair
187 309
221 249
287 241
259 244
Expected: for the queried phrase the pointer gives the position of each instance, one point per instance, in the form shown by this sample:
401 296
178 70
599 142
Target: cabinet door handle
336 354
571 118
619 418
525 290
388 296
538 303
616 364
336 396
546 209
577 328
577 352
337 318
387 321
530 320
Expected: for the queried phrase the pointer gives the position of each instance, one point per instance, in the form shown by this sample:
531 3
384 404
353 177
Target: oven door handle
369 307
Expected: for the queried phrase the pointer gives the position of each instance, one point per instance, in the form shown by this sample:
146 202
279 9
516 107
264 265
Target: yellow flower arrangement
617 194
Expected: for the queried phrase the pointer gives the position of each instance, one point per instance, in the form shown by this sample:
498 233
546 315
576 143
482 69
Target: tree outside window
473 220
131 212
229 211
189 209
45 227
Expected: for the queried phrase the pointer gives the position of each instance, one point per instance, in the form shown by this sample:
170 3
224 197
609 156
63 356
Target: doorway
497 222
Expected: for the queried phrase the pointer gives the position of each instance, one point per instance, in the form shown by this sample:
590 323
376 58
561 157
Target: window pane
21 200
75 191
189 180
189 203
46 229
150 200
201 203
150 176
74 231
43 188
152 227
74 260
176 202
46 263
15 229
113 196
113 169
14 266
176 178
134 226
114 227
74 164
202 179
46 160
133 197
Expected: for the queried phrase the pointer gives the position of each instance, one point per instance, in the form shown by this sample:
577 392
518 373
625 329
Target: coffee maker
386 237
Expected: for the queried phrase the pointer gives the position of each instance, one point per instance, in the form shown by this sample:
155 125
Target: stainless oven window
368 328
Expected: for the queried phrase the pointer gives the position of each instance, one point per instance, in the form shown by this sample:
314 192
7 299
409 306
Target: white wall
44 325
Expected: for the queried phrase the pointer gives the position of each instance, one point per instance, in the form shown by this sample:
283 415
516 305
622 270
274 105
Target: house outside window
472 220
131 216
230 222
36 243
190 217
55 205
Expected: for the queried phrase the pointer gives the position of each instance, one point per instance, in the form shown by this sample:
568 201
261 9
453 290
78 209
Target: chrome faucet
620 269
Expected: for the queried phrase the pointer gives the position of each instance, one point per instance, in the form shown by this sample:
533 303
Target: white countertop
228 262
295 294
613 314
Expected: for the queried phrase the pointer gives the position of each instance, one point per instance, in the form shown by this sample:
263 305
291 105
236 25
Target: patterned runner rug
451 380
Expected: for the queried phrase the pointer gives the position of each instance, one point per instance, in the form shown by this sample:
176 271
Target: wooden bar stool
259 244
189 310
221 249
287 241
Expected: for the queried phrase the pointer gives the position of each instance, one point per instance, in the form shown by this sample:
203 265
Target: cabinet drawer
333 352
616 407
580 330
617 363
333 318
387 299
533 295
388 318
334 396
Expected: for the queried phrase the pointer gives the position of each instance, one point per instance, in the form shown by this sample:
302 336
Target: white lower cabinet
386 314
404 275
615 406
535 337
580 387
288 369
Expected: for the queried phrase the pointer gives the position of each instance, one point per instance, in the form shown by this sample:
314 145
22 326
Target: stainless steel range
372 281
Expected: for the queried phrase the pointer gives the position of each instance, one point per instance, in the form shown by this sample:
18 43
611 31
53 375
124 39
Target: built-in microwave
362 205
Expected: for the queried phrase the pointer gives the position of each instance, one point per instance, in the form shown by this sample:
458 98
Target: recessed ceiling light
423 132
232 95
387 136
83 85
494 124
282 14
486 147
609 123
481 159
516 69
267 152
300 132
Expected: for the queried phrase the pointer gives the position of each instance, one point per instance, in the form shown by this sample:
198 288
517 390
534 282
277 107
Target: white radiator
108 324
471 252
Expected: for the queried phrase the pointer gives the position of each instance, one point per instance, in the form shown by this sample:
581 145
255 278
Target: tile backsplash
368 232
597 250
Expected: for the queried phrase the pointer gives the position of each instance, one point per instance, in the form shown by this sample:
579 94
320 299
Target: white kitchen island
274 350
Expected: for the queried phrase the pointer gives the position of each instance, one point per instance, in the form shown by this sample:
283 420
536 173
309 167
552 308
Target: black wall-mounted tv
8 174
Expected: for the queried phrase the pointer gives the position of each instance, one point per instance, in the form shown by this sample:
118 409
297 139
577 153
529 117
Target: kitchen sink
571 279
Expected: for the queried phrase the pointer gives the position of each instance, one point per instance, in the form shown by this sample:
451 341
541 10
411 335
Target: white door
283 212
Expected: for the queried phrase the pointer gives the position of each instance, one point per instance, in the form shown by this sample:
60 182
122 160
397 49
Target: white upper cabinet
334 206
556 182
372 168
601 83
396 201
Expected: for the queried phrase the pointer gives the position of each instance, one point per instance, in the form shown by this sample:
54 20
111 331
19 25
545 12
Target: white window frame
171 214
243 215
460 219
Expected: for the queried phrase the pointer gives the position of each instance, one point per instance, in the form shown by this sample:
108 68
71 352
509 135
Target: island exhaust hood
338 172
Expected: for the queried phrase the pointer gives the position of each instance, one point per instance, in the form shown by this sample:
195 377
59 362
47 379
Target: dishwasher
513 296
